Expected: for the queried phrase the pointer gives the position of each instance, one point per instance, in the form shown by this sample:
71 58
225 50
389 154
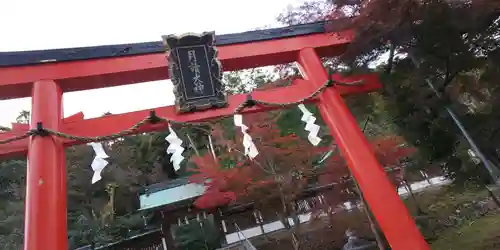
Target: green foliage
133 162
423 122
289 123
238 82
11 225
197 235
481 234
12 179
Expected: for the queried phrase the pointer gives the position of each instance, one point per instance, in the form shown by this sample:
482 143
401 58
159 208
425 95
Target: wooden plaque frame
195 71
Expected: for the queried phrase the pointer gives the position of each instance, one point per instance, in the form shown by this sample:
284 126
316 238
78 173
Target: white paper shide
175 149
250 149
99 162
313 129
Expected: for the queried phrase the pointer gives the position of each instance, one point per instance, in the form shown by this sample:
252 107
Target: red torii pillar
45 223
386 205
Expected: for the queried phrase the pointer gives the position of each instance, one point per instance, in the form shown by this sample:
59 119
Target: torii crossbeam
46 75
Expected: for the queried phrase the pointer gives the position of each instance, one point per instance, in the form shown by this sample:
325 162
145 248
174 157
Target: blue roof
170 192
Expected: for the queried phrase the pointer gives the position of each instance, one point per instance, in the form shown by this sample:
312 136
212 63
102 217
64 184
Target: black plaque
195 71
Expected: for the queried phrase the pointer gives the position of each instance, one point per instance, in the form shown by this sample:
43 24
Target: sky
51 24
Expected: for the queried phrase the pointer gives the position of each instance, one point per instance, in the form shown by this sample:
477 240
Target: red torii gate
46 75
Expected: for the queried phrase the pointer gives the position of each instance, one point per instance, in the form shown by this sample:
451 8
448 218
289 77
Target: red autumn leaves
287 159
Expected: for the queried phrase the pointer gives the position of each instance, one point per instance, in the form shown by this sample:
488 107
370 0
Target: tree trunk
413 197
390 60
284 215
295 216
373 227
426 176
492 194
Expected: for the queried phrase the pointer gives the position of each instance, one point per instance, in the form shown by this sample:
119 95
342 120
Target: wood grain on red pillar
45 209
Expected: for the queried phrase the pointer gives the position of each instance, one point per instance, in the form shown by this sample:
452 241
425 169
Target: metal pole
492 170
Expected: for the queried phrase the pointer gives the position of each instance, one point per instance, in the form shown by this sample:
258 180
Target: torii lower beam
114 123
